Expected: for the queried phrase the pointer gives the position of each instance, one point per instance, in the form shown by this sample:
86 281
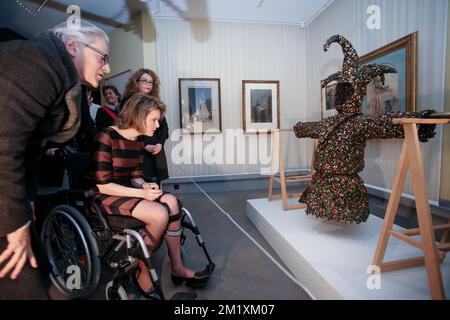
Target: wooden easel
282 179
434 254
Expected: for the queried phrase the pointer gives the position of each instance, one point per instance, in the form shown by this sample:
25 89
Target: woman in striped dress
117 160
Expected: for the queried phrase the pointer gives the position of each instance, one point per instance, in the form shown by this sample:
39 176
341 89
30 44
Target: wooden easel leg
391 210
269 196
284 194
444 239
445 235
275 140
424 213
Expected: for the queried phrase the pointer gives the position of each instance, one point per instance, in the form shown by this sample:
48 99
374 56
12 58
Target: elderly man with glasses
40 103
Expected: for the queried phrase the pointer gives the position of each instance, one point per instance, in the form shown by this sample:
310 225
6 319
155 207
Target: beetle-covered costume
336 192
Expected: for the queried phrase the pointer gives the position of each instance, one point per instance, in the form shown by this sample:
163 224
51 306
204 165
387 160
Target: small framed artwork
398 93
200 110
327 100
260 105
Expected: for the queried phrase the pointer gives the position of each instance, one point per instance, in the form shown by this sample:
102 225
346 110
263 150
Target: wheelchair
80 239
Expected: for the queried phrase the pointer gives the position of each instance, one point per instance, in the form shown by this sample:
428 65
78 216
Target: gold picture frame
401 88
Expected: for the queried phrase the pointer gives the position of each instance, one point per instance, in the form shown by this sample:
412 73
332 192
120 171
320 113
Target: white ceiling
277 11
24 16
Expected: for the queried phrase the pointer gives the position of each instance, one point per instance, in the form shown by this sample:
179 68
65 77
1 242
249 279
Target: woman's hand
153 149
151 194
51 152
157 149
148 185
150 148
18 252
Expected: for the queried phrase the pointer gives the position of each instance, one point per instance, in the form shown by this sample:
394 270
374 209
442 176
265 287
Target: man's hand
18 252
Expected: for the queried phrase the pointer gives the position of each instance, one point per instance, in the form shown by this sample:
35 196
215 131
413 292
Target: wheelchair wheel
72 251
115 293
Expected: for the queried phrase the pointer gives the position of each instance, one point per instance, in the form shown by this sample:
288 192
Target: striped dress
116 159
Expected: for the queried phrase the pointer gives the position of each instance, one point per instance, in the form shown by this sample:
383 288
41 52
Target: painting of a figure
329 94
261 105
328 100
200 105
382 98
390 96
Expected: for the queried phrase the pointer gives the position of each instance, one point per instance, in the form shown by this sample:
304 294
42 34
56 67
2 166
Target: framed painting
327 100
200 110
399 91
260 105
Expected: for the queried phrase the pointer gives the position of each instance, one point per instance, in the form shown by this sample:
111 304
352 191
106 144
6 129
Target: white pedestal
332 260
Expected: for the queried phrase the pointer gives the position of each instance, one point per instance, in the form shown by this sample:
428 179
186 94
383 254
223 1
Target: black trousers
32 284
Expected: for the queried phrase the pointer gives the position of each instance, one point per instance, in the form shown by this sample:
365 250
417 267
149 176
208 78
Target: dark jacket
156 165
84 139
40 102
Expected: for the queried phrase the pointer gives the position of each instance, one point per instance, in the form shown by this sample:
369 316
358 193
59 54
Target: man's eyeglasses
105 56
146 82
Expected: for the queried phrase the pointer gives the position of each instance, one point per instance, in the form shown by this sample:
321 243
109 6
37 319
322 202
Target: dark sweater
155 166
103 119
40 102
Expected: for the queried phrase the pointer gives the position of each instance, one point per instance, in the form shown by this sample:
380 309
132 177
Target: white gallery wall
234 51
398 18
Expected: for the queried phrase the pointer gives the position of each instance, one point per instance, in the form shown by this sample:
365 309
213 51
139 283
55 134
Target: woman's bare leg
155 218
173 243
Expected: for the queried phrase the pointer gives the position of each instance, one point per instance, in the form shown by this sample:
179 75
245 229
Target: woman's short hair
84 32
136 110
132 84
113 89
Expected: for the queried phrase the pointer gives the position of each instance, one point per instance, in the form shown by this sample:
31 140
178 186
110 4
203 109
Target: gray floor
243 270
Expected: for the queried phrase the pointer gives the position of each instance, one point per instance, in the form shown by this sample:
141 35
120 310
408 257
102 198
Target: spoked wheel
115 292
72 251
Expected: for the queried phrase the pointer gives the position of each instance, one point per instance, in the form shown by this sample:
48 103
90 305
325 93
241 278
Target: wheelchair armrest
90 192
82 194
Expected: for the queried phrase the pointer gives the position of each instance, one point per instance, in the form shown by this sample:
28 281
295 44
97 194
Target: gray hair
84 32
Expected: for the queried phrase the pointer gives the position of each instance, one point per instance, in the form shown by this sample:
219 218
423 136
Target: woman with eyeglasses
146 81
40 103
